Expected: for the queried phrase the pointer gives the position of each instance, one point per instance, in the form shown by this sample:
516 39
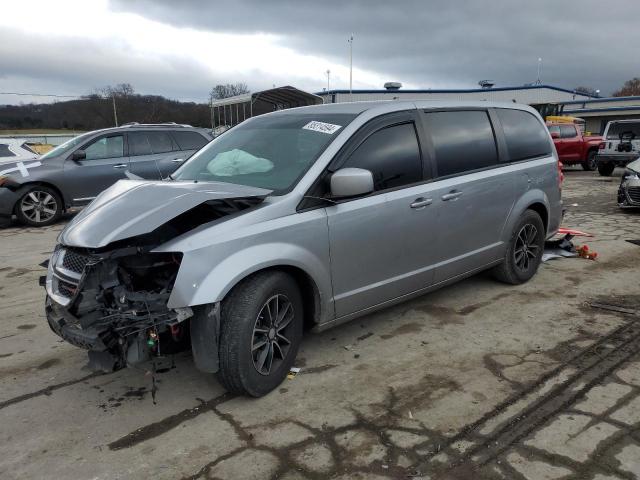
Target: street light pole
328 76
350 66
538 81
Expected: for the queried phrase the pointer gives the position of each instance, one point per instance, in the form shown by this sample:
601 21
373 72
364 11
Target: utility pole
115 114
350 66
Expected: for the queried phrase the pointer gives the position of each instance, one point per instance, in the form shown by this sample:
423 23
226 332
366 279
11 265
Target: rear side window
189 140
567 131
138 144
463 141
554 129
161 142
525 135
392 155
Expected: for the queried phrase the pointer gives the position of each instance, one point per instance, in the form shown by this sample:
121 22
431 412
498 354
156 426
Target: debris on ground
293 371
564 247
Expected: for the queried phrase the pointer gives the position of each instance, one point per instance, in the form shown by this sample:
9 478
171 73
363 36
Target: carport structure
228 112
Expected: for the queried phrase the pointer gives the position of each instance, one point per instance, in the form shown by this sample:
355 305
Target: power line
41 94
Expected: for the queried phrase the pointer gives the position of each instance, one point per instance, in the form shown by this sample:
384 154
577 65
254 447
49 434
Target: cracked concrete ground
478 380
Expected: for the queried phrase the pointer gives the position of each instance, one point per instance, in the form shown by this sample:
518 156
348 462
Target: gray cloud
438 43
426 43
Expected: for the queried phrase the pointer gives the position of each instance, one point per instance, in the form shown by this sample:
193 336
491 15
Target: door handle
451 196
421 202
120 165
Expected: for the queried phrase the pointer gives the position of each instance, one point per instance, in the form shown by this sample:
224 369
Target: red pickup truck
573 147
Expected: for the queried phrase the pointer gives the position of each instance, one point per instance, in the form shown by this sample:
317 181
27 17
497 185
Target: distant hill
93 112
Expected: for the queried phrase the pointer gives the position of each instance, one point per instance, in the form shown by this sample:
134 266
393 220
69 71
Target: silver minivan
303 219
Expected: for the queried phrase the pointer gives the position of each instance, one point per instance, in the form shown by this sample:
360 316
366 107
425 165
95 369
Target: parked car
304 217
74 173
629 191
573 147
621 145
13 149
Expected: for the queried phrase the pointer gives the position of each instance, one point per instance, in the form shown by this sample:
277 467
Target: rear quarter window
189 140
525 135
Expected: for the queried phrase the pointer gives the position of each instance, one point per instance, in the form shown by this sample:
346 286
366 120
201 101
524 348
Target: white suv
621 145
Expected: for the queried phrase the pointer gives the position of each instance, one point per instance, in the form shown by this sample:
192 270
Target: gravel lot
478 380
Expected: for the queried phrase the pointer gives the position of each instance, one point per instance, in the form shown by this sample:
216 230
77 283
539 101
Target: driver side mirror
351 182
78 155
555 135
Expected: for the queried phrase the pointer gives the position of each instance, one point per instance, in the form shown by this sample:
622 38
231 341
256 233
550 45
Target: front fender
190 290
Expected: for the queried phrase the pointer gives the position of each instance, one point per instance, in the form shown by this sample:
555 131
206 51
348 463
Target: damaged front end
114 304
108 290
629 190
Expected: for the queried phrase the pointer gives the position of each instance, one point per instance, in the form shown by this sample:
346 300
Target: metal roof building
598 111
227 112
530 95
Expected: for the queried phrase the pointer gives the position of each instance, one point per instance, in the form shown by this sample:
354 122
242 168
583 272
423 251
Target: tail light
560 175
601 146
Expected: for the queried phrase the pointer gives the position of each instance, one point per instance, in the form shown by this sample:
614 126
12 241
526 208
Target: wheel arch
25 186
541 210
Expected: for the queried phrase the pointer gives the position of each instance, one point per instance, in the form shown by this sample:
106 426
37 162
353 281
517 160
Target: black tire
590 163
512 270
606 169
39 206
242 317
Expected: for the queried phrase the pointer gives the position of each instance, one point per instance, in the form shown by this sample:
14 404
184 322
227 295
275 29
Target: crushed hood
132 207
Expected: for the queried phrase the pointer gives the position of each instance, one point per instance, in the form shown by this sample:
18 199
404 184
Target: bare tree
121 90
630 88
228 90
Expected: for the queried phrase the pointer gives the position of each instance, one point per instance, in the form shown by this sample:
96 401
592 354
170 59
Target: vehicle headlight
630 175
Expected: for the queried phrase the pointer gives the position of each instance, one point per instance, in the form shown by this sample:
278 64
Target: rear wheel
39 206
261 326
606 169
524 252
590 163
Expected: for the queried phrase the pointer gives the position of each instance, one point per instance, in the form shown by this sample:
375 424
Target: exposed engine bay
112 300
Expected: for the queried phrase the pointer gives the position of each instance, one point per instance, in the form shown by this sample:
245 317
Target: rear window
189 140
463 141
627 130
525 135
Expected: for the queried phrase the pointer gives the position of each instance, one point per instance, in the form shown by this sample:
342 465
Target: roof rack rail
165 124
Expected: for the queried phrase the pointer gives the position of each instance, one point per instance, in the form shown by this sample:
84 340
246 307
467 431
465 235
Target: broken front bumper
629 191
68 328
114 304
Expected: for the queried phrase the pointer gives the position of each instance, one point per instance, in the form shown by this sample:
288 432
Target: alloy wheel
39 206
526 250
270 342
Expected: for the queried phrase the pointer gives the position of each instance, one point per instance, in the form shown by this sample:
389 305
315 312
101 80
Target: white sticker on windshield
322 127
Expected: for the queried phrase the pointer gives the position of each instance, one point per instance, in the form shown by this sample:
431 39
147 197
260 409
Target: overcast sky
180 49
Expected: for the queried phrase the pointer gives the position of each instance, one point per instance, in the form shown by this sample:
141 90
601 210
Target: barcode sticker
322 127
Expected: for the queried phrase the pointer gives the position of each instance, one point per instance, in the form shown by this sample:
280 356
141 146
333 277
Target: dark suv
38 191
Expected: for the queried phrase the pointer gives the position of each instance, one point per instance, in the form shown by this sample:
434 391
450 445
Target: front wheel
39 206
590 163
606 169
524 251
261 326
